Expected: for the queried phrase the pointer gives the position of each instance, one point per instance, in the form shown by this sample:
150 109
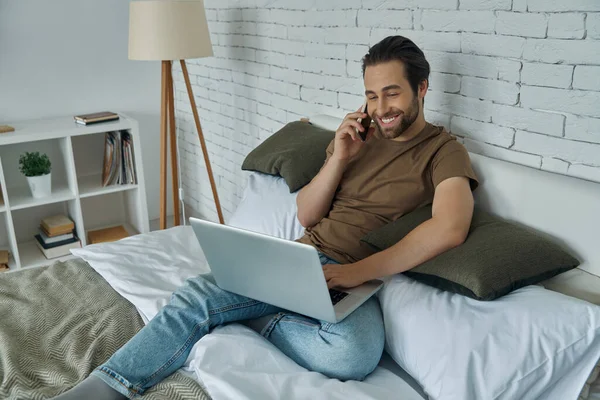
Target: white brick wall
485 4
457 21
556 51
574 101
492 45
552 75
561 5
592 25
521 24
587 77
566 26
482 131
514 79
490 89
400 19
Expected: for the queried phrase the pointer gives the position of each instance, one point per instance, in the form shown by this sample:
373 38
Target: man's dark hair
399 48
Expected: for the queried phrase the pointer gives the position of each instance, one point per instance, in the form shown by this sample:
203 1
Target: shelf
128 227
90 186
31 256
20 196
27 131
77 156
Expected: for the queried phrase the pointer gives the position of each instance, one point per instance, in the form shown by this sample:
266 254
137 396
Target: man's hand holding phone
352 133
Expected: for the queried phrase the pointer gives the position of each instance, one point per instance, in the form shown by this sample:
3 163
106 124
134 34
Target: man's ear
423 86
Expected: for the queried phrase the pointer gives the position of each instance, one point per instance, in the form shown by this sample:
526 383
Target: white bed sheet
234 361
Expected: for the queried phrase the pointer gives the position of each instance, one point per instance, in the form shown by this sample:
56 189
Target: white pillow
516 347
268 207
146 269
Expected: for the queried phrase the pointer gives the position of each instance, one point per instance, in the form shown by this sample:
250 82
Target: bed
62 320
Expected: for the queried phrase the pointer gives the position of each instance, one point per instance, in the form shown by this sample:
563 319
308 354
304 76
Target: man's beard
407 118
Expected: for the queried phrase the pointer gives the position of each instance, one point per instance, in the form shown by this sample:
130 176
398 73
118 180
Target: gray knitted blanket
57 323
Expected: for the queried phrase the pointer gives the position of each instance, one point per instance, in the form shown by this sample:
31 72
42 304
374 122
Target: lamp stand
167 114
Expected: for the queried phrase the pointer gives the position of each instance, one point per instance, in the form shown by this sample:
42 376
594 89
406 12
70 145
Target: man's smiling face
392 103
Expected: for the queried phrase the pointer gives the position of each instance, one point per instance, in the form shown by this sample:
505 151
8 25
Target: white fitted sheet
235 362
146 269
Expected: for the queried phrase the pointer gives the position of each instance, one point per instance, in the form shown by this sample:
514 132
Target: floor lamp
171 30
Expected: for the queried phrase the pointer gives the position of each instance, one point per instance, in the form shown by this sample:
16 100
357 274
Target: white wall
518 79
65 57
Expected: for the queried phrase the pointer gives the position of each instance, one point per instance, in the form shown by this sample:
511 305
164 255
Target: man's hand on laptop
344 276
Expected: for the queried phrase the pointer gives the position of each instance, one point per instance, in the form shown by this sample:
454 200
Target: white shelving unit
77 154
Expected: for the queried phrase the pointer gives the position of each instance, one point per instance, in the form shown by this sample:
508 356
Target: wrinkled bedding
57 323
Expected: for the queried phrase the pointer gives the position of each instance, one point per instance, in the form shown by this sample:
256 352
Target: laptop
276 271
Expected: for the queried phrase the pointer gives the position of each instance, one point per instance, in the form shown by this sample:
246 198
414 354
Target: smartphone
365 122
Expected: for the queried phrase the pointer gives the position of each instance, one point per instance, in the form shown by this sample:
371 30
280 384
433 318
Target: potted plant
36 167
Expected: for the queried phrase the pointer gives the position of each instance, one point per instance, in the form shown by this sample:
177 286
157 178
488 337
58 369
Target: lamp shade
168 30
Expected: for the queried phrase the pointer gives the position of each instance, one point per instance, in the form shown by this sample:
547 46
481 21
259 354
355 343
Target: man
404 163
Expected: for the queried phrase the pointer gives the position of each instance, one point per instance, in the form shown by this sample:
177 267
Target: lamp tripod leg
163 145
173 146
202 143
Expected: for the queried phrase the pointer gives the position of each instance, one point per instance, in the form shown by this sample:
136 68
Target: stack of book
57 236
119 160
103 116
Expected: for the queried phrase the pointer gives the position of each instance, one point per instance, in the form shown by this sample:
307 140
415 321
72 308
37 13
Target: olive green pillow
496 258
296 152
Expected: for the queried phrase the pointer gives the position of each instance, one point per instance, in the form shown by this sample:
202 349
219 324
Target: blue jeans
350 349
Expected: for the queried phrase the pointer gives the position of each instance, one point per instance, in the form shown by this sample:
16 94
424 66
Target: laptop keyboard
336 296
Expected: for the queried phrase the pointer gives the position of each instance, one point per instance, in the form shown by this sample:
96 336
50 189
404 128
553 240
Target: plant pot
41 186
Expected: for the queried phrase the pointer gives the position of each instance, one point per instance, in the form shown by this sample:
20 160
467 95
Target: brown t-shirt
386 180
